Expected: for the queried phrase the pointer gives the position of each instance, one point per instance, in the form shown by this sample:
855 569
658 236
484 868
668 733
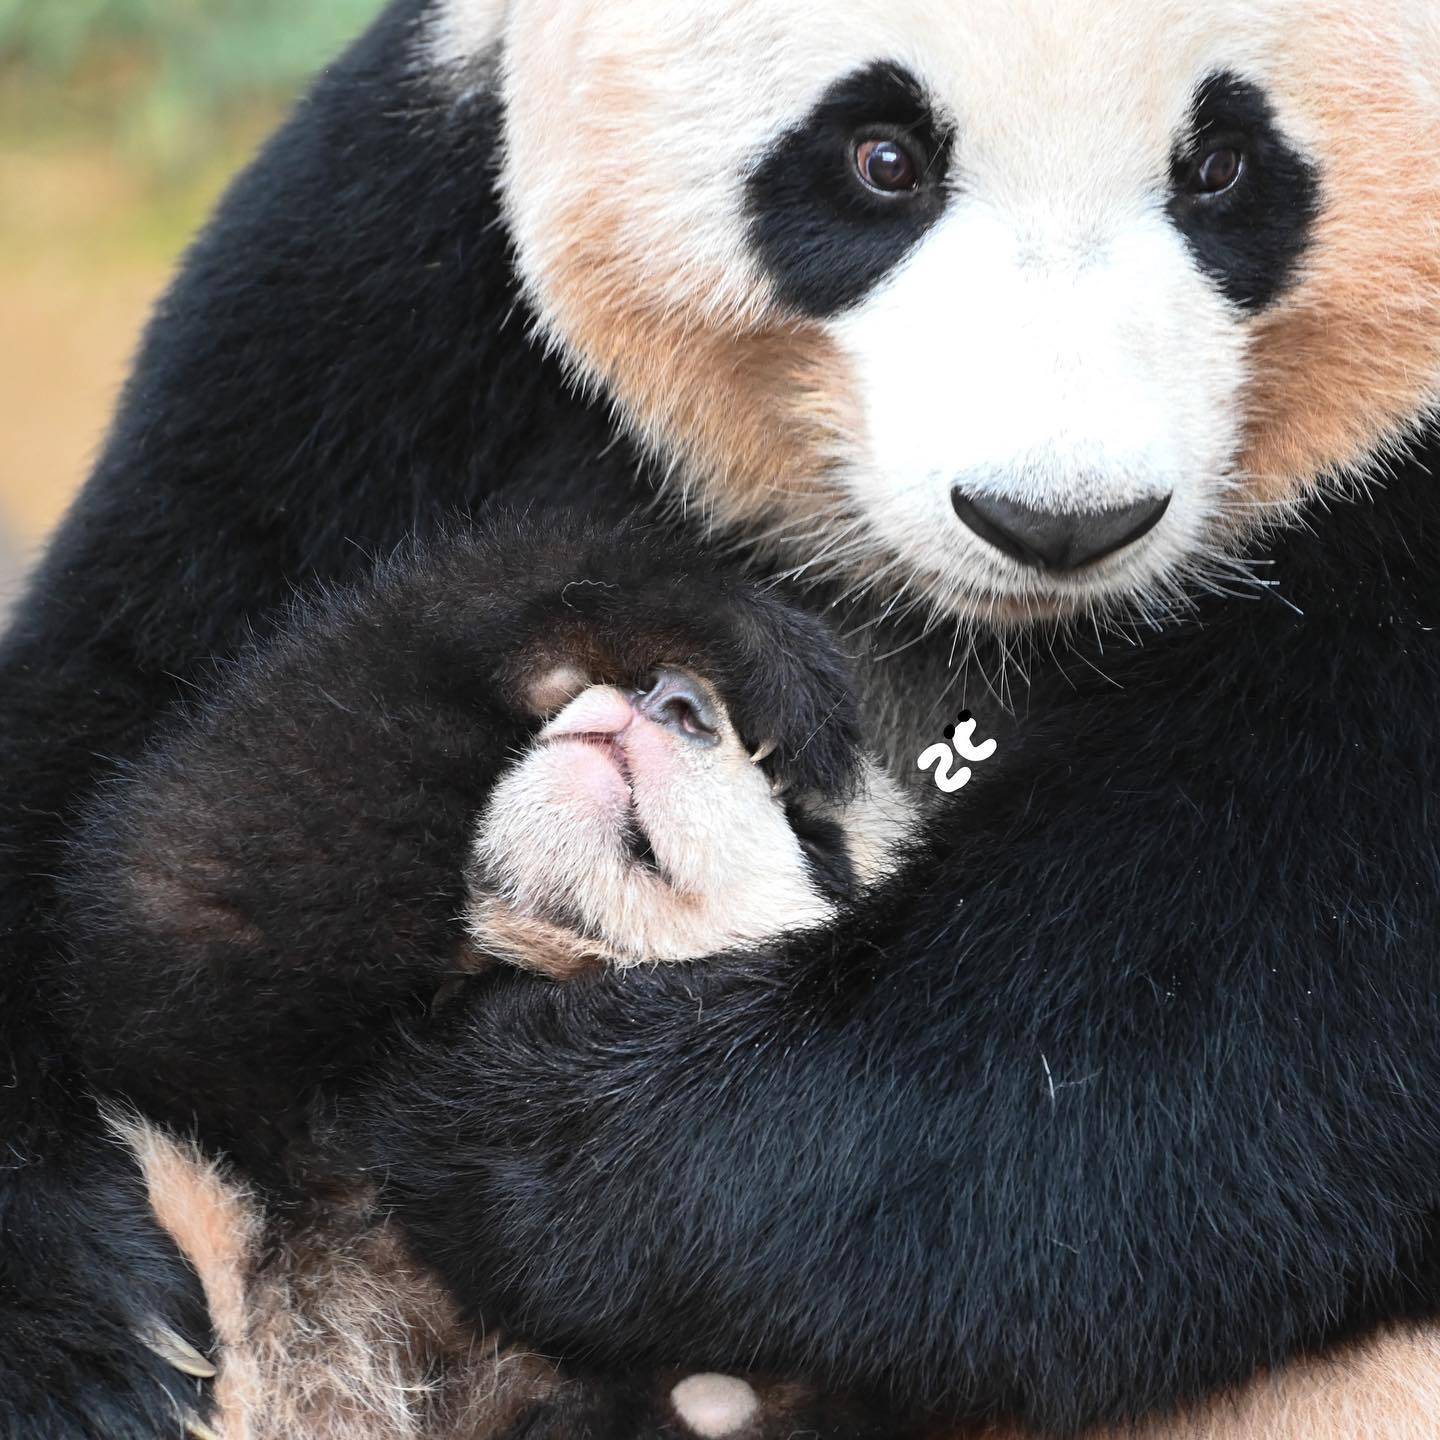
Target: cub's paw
703 1407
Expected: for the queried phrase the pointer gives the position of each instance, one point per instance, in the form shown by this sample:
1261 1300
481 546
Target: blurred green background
120 122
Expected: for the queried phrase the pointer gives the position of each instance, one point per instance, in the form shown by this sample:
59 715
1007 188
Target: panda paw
101 1318
588 605
98 1386
182 1357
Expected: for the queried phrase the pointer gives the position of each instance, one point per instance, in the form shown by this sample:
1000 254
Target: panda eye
886 166
1217 171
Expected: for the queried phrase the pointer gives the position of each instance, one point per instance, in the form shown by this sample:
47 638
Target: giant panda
260 905
1025 334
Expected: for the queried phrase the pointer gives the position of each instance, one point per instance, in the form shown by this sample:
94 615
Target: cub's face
1021 308
641 826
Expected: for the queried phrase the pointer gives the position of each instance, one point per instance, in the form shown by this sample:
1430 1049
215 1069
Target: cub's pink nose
676 703
601 710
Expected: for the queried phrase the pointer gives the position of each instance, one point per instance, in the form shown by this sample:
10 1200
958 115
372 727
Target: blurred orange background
120 123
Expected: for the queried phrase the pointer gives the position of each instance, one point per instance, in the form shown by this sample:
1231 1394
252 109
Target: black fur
827 856
823 235
1251 239
1127 1089
74 1224
284 874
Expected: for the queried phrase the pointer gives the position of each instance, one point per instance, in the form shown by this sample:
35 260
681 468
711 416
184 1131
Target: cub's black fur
1125 1089
283 875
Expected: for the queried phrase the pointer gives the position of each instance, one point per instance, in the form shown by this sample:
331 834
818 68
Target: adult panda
997 319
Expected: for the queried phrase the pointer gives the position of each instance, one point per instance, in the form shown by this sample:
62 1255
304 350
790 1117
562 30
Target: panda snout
1055 539
681 704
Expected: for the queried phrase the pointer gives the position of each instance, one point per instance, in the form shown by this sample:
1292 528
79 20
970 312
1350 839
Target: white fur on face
557 840
1062 371
1050 340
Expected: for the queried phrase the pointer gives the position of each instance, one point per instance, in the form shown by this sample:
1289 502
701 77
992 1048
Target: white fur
551 842
1052 340
460 32
715 1406
1097 369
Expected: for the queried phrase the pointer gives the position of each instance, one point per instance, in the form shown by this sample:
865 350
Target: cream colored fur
1386 1388
728 871
327 1330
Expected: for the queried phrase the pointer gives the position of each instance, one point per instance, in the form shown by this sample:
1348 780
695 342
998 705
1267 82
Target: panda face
639 826
1023 307
1045 322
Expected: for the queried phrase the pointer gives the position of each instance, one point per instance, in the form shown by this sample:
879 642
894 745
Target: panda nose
1055 540
679 703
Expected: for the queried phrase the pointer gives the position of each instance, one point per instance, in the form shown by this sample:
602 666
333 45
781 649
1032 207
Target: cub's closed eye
1217 171
886 166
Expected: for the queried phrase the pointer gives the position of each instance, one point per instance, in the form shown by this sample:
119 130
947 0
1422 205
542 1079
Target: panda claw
199 1430
779 788
179 1352
766 750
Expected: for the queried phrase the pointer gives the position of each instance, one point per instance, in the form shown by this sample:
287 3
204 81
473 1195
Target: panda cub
640 827
637 826
561 751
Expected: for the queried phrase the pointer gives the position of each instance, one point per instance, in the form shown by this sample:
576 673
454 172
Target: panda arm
286 871
1122 1092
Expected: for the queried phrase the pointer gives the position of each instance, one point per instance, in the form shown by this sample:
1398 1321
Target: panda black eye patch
825 231
1249 234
